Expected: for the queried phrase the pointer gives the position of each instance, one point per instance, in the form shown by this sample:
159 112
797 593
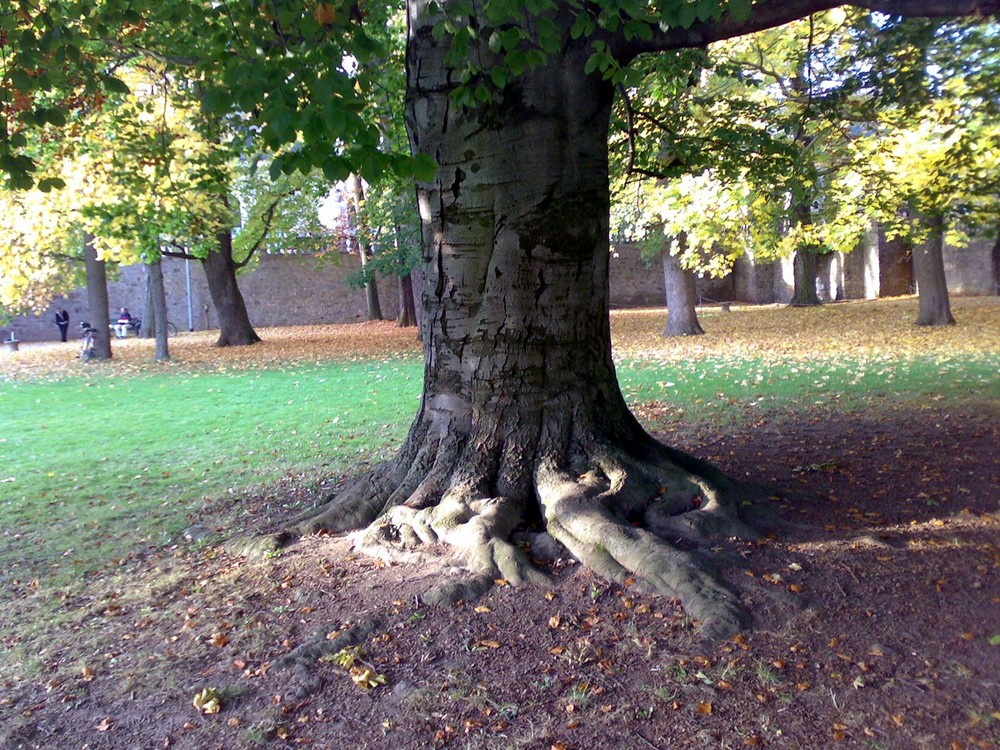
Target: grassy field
100 459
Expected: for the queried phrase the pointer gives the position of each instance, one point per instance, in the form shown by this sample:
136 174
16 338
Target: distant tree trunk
97 300
934 308
407 308
996 264
372 303
148 328
679 285
158 297
220 273
363 249
804 269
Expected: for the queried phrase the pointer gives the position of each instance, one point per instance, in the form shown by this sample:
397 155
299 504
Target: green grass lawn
94 466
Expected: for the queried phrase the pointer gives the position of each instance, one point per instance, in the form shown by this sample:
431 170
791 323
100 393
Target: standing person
62 320
123 324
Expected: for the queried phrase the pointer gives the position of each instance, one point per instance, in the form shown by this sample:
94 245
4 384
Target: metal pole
187 277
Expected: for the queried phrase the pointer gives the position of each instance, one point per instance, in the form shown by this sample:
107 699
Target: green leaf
739 9
995 640
50 183
424 168
499 76
114 85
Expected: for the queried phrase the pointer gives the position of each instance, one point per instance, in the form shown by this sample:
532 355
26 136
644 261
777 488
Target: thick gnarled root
578 514
477 531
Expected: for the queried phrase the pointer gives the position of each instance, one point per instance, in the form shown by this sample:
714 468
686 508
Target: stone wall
293 290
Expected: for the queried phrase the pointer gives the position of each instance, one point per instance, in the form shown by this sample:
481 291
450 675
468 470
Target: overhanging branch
772 13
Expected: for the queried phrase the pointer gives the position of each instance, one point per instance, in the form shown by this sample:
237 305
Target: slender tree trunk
995 257
235 328
682 297
933 305
804 269
158 297
372 304
522 420
407 308
148 329
97 299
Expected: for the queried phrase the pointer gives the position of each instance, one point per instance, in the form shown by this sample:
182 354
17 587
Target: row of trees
794 141
139 170
508 111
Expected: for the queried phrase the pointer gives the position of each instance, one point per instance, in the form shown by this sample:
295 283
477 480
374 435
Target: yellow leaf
208 701
366 678
488 644
325 14
105 724
483 609
555 621
705 709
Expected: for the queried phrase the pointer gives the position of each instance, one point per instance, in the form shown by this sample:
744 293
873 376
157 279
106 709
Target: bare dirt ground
876 601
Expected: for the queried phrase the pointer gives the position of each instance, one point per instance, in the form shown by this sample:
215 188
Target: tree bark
235 328
804 270
681 294
933 305
522 420
97 299
148 328
407 307
372 305
158 305
995 258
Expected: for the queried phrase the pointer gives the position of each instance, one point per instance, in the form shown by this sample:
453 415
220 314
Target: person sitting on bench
123 324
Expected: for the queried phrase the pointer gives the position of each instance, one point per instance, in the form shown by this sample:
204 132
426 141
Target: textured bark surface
682 298
235 328
522 423
934 307
804 269
97 300
407 307
995 258
158 306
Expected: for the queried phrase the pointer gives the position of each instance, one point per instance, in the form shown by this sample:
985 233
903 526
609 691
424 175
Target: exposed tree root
640 514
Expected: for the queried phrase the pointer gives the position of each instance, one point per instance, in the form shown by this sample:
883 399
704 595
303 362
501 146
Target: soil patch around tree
876 603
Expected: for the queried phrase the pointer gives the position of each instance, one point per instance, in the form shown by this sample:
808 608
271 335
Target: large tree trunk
158 306
681 294
933 305
97 299
522 419
407 307
220 273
